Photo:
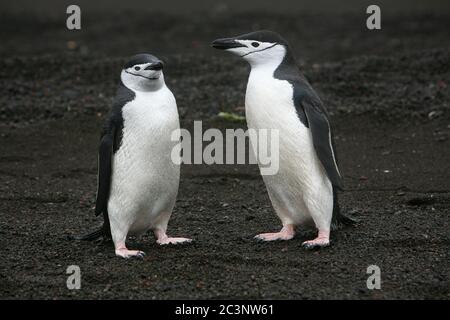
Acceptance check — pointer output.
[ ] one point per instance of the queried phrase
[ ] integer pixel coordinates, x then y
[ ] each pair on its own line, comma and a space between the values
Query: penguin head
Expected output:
143, 72
257, 47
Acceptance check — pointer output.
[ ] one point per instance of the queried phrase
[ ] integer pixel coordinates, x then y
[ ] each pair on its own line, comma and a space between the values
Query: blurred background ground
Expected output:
388, 95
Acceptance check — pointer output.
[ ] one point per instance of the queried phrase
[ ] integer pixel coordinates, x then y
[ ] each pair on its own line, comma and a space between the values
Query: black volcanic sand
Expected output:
390, 112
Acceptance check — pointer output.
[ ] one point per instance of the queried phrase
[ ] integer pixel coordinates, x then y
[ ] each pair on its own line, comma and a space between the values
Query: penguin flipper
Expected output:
105, 153
322, 139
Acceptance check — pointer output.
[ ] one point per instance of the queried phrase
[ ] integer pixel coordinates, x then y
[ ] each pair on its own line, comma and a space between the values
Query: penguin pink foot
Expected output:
322, 240
287, 233
122, 251
163, 239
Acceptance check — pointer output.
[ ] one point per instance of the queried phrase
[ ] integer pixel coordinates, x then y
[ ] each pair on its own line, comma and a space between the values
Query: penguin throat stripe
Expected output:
139, 75
259, 50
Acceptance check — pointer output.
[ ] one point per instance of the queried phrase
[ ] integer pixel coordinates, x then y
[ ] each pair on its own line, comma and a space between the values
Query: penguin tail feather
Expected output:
339, 220
103, 232
99, 233
90, 236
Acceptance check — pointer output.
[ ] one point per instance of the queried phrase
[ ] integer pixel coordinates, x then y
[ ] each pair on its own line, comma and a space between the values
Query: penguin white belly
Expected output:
144, 178
300, 190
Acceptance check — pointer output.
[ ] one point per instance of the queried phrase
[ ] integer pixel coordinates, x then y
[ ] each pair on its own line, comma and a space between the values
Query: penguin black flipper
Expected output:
105, 152
312, 114
322, 140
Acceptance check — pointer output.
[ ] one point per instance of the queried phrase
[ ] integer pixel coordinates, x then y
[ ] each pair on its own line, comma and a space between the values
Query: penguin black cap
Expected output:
261, 36
144, 58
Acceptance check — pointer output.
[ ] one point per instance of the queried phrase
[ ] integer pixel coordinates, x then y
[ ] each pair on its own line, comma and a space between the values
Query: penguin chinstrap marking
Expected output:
278, 96
137, 178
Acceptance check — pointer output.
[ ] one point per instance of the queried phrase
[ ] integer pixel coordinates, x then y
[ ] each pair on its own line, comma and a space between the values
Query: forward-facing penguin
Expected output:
279, 97
137, 178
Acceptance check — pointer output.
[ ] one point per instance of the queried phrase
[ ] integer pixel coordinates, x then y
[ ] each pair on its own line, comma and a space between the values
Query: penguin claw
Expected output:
127, 254
140, 255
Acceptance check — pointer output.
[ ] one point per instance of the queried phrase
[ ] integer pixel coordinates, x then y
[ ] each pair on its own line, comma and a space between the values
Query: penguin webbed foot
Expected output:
163, 239
313, 244
322, 240
287, 233
127, 254
172, 240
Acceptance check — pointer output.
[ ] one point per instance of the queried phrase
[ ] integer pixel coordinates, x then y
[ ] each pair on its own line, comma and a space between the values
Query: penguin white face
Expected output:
257, 47
143, 73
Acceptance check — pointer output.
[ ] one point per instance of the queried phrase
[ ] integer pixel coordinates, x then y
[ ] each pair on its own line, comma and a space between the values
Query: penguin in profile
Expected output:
278, 96
137, 177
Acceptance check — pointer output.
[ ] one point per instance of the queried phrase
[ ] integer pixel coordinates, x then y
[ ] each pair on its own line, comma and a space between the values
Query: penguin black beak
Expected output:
155, 66
226, 43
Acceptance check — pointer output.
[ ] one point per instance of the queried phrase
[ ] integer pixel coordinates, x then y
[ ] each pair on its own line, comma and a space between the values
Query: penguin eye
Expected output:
255, 44
137, 68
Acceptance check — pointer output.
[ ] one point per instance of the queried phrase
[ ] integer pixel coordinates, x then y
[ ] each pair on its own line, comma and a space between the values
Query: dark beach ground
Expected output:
388, 94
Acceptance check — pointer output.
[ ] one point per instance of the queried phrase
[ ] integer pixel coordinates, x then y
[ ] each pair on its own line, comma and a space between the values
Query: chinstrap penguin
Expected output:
137, 179
278, 96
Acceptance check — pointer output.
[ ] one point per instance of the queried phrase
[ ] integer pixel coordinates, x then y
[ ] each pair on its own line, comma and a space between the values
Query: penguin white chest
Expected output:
144, 178
269, 104
268, 100
148, 123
